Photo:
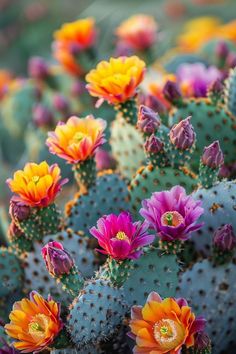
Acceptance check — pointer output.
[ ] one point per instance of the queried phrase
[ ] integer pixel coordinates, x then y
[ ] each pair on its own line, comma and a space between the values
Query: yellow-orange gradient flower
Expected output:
163, 326
35, 323
72, 38
116, 80
138, 32
37, 185
78, 139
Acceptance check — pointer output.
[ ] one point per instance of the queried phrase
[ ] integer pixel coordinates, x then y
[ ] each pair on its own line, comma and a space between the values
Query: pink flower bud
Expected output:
18, 210
182, 135
231, 60
172, 92
224, 238
153, 144
222, 50
213, 156
38, 68
148, 120
60, 103
104, 160
42, 116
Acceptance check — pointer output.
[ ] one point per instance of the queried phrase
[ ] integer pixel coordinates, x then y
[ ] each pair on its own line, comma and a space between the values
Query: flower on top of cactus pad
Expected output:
36, 185
120, 237
58, 261
35, 322
164, 325
70, 40
172, 214
139, 32
116, 80
77, 139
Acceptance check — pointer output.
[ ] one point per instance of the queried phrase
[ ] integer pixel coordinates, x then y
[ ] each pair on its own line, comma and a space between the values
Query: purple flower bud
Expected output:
222, 50
182, 135
18, 210
172, 92
213, 156
58, 261
224, 238
122, 49
60, 103
104, 160
14, 230
42, 116
153, 144
202, 341
78, 87
155, 104
148, 120
38, 68
231, 60
216, 87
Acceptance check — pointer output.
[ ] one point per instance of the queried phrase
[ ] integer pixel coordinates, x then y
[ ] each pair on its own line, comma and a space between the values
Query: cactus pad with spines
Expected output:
11, 274
230, 92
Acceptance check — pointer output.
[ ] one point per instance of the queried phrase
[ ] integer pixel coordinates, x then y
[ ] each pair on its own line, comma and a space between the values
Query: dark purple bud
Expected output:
155, 104
182, 135
14, 230
153, 144
231, 60
61, 103
213, 156
148, 120
38, 68
58, 261
216, 87
42, 116
172, 92
18, 210
222, 50
224, 238
6, 348
202, 341
104, 160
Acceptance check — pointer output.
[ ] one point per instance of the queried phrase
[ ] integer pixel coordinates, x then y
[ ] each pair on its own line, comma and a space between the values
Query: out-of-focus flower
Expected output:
58, 261
148, 120
61, 103
138, 32
5, 81
104, 160
228, 31
34, 323
121, 238
222, 50
172, 214
164, 326
70, 40
153, 144
37, 185
42, 116
194, 79
231, 60
77, 139
182, 134
212, 155
116, 80
224, 238
38, 68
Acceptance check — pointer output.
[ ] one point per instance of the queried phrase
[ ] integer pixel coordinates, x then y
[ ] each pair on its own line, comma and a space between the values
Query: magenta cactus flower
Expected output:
120, 238
182, 135
213, 156
58, 261
172, 214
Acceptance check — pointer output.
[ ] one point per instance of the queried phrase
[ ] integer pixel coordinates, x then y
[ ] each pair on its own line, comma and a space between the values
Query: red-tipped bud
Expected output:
148, 120
182, 135
153, 144
222, 50
42, 116
58, 261
18, 210
38, 68
213, 156
172, 92
224, 238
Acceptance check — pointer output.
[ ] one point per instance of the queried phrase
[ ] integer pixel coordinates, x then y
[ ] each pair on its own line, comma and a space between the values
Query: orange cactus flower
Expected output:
139, 32
163, 326
37, 185
72, 38
116, 80
35, 322
228, 31
5, 81
77, 139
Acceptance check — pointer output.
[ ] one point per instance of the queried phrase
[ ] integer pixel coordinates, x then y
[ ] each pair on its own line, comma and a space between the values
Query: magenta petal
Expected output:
120, 248
198, 325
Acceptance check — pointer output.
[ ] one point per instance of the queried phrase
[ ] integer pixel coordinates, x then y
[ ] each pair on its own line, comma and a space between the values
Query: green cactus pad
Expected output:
211, 291
95, 313
151, 179
230, 92
153, 271
210, 123
127, 147
109, 195
11, 274
91, 349
219, 203
128, 110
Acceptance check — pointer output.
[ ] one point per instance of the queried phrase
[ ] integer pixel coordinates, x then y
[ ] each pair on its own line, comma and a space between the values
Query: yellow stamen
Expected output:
35, 179
172, 218
121, 235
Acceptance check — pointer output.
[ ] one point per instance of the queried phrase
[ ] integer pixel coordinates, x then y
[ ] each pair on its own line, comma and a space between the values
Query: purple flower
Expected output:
148, 120
120, 238
213, 156
194, 79
172, 214
153, 144
182, 135
224, 238
58, 261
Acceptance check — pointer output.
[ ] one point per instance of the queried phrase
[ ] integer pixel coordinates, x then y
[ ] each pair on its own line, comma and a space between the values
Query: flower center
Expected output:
38, 326
35, 179
78, 137
172, 218
168, 334
121, 236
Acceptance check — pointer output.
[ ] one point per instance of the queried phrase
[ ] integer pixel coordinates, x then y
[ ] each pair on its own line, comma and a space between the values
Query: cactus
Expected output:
230, 92
11, 274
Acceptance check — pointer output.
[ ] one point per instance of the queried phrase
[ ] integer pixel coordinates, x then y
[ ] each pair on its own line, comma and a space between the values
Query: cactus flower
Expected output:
58, 261
116, 80
148, 120
139, 32
163, 326
35, 322
224, 238
172, 214
182, 135
37, 185
120, 238
77, 139
213, 156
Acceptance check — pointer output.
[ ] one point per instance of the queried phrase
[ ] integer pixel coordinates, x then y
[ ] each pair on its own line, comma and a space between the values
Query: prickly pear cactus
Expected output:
11, 274
211, 292
230, 92
109, 195
219, 203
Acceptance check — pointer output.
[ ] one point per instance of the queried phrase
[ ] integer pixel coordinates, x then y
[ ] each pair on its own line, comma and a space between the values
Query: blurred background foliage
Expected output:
27, 26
